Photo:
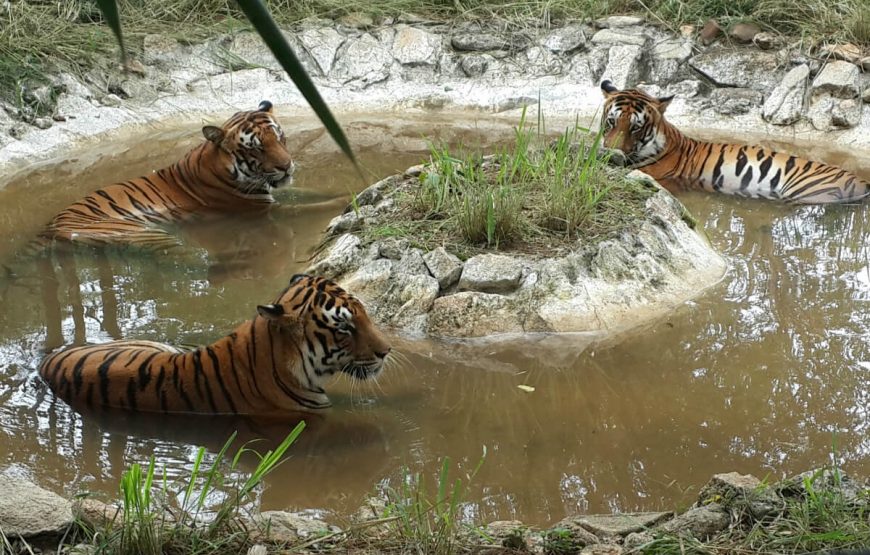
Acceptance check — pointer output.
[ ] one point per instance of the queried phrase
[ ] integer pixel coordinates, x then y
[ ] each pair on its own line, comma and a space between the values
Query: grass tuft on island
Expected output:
530, 197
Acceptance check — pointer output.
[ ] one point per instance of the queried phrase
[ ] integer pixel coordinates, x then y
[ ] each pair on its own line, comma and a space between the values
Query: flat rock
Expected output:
768, 41
611, 37
491, 273
620, 524
483, 41
839, 79
568, 536
342, 257
785, 103
618, 21
731, 102
847, 52
510, 534
742, 491
739, 67
443, 266
414, 46
473, 314
603, 549
288, 527
27, 510
699, 522
566, 39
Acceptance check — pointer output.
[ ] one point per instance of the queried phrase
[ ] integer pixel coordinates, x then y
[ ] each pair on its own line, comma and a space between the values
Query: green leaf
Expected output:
110, 12
259, 17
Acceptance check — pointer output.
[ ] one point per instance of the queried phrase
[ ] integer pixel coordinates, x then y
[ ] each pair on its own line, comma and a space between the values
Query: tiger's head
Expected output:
331, 330
253, 149
633, 123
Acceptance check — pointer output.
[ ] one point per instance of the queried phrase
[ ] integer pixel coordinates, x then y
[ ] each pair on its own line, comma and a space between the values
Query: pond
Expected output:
766, 373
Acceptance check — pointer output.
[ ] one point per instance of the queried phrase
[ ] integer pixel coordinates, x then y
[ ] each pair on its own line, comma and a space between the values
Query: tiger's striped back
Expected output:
276, 362
634, 124
235, 169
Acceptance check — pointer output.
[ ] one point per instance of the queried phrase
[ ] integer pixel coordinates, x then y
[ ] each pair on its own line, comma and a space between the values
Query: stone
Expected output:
567, 536
846, 113
587, 67
710, 32
18, 130
473, 314
739, 491
27, 510
471, 42
510, 534
443, 266
635, 541
258, 549
840, 79
474, 65
111, 100
618, 21
865, 63
343, 256
413, 46
411, 263
865, 96
83, 549
602, 549
732, 102
674, 49
611, 37
820, 112
73, 86
623, 66
357, 20
784, 105
744, 33
349, 221
96, 513
620, 524
491, 273
847, 52
768, 41
567, 39
289, 528
160, 50
322, 44
687, 31
828, 479
699, 522
43, 123
744, 67
411, 298
362, 61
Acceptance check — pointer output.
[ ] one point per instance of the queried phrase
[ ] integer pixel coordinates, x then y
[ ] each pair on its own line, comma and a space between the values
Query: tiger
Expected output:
270, 365
633, 123
235, 168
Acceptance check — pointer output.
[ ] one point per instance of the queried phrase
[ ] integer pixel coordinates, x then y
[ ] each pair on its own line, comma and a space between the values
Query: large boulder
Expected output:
27, 510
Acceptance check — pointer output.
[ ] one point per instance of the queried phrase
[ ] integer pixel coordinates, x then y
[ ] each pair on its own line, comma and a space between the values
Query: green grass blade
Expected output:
110, 12
258, 15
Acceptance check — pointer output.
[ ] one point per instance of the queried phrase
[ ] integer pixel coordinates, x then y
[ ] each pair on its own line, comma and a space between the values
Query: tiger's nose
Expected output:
383, 354
287, 167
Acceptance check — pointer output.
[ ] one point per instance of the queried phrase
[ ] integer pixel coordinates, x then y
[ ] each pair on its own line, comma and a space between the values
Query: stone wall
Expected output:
767, 86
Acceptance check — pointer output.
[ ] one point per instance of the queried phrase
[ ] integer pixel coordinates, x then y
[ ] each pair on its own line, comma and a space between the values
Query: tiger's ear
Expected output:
270, 311
265, 106
213, 134
607, 88
664, 102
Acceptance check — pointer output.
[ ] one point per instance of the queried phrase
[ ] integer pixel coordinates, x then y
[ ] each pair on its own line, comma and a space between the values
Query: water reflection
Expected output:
763, 374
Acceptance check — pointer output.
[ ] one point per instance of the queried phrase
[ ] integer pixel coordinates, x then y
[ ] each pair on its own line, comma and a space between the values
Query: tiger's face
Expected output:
253, 150
333, 330
632, 123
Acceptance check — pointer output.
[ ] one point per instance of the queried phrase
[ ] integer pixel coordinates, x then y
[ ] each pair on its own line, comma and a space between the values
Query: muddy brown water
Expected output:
768, 372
